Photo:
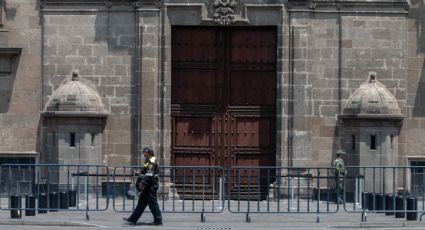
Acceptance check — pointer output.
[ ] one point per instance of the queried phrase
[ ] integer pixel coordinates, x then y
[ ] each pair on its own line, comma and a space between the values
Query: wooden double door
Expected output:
223, 98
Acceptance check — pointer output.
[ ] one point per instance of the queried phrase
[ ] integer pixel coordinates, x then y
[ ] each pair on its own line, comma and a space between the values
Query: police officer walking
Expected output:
147, 184
339, 176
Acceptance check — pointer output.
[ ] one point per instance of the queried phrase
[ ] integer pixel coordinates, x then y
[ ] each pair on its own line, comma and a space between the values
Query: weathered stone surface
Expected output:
20, 103
123, 149
83, 40
103, 46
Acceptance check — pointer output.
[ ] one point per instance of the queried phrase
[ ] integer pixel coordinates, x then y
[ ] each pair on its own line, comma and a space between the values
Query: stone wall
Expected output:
20, 99
377, 44
88, 148
334, 47
99, 41
315, 86
325, 52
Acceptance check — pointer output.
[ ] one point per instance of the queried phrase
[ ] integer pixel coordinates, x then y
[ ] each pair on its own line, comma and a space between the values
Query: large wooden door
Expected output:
223, 97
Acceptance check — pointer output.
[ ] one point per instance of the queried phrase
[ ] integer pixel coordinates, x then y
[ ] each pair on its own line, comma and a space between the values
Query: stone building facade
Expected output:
324, 51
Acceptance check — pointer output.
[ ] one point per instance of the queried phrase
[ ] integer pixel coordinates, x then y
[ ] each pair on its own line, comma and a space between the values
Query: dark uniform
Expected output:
147, 184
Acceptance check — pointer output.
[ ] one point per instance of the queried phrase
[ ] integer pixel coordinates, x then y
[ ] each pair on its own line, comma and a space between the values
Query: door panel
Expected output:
193, 132
252, 88
190, 176
253, 45
194, 45
253, 132
224, 97
194, 86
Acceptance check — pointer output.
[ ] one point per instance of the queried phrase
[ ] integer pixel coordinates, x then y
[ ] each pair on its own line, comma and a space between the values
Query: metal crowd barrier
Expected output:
393, 191
396, 191
281, 190
53, 187
182, 189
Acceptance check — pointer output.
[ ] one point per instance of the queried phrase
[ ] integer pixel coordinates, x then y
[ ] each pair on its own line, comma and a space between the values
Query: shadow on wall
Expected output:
6, 85
337, 143
115, 39
417, 14
118, 30
10, 11
101, 27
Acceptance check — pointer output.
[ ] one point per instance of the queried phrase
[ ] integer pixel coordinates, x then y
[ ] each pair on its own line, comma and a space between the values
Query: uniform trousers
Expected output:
147, 198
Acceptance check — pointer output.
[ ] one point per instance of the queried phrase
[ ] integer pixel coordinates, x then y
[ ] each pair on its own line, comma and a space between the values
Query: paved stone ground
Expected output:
226, 220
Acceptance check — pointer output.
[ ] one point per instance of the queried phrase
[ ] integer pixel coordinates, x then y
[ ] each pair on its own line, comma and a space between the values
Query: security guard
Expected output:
147, 184
339, 175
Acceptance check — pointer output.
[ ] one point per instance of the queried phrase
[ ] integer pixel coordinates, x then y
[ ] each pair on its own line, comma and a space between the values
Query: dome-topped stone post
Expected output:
74, 119
371, 122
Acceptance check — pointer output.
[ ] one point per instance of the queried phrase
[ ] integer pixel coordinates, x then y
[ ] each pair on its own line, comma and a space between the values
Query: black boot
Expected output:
128, 221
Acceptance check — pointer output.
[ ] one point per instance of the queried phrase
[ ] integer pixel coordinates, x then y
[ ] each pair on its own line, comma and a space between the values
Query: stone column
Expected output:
151, 85
300, 105
154, 97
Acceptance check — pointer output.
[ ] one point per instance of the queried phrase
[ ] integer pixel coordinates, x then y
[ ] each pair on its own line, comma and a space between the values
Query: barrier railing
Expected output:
53, 187
281, 190
396, 191
183, 189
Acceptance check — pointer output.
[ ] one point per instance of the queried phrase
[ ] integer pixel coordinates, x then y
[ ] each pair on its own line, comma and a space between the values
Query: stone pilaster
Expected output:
154, 115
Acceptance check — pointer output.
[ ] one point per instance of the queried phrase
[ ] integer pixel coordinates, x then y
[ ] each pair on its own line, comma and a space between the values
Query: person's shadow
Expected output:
140, 224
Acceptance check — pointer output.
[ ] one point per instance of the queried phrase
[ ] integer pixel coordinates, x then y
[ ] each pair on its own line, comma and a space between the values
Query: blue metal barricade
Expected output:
49, 183
183, 189
281, 190
388, 189
398, 191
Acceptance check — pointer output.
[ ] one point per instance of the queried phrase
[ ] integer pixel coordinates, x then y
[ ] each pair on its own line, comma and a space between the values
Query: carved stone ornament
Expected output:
312, 4
137, 4
224, 11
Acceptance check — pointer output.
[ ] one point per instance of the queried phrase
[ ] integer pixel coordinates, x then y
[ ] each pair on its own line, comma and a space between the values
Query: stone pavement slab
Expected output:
225, 220
218, 221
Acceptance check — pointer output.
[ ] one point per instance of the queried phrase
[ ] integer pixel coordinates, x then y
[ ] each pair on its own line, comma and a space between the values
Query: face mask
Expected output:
143, 158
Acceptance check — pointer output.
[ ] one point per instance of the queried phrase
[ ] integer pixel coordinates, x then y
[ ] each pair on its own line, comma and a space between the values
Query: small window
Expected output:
392, 141
93, 136
372, 142
54, 139
353, 142
72, 140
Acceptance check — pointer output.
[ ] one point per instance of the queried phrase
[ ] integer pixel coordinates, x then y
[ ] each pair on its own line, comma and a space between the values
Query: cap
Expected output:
340, 152
148, 149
